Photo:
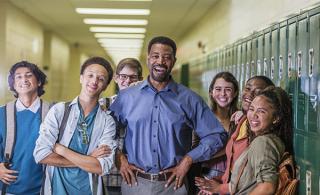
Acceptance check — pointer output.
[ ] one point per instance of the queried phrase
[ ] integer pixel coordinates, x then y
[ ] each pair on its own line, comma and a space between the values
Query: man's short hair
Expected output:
101, 61
165, 41
40, 76
132, 63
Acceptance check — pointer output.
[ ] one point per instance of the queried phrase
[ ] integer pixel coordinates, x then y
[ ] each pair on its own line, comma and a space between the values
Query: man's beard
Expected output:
158, 75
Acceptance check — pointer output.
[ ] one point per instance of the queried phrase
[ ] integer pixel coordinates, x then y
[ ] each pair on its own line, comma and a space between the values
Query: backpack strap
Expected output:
45, 106
64, 121
11, 129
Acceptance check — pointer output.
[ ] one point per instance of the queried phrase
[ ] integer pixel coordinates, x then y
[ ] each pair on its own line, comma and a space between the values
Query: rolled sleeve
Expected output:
108, 138
265, 157
210, 131
48, 134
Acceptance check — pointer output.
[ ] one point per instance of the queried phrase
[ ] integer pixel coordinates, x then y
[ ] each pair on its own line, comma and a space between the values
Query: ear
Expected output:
81, 78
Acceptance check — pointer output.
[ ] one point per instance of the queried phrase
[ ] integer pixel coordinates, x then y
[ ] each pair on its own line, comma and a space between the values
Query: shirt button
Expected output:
155, 165
154, 150
154, 121
156, 106
154, 136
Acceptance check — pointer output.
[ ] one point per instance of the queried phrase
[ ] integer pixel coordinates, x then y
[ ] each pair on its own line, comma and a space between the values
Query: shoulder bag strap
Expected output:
64, 121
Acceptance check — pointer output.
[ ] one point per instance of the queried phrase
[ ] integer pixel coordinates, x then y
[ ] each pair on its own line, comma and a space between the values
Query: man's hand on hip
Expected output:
127, 171
179, 172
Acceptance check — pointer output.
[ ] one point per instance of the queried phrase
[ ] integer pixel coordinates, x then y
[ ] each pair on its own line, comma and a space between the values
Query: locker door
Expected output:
260, 54
243, 64
282, 59
248, 59
184, 79
274, 60
239, 63
266, 53
254, 55
234, 60
301, 128
313, 145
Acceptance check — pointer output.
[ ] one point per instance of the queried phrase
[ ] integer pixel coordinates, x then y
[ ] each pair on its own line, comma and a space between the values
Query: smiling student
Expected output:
67, 147
21, 119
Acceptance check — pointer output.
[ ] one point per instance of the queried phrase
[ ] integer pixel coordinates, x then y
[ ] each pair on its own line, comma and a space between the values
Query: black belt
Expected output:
154, 177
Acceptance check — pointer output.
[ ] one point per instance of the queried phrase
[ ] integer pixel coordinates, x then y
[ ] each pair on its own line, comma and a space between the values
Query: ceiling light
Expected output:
124, 36
120, 41
114, 21
113, 11
117, 29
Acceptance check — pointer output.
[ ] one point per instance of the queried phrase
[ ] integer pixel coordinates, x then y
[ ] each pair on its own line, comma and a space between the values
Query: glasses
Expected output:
124, 77
83, 127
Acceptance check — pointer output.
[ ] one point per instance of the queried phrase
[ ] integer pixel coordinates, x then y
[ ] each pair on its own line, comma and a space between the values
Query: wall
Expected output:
229, 20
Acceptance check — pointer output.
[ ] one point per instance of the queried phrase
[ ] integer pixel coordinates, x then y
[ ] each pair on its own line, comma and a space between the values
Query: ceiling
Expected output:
173, 18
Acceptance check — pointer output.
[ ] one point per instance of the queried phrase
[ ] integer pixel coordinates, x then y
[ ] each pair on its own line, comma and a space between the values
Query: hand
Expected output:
207, 185
179, 172
59, 149
6, 175
127, 170
101, 151
236, 116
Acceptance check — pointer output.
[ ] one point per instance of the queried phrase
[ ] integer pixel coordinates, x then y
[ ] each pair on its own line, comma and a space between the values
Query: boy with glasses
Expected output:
128, 71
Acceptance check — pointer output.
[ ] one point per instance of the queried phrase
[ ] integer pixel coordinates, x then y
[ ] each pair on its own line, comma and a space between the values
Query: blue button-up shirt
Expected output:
159, 125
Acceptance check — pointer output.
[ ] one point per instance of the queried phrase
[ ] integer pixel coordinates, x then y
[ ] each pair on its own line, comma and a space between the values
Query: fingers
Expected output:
170, 180
178, 183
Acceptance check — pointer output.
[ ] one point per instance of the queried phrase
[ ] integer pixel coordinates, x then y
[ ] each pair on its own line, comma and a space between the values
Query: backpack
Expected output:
10, 126
10, 110
288, 182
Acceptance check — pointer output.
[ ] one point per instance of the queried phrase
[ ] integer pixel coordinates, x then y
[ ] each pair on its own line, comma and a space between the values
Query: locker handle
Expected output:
280, 66
258, 67
289, 65
299, 60
311, 61
272, 67
265, 64
313, 100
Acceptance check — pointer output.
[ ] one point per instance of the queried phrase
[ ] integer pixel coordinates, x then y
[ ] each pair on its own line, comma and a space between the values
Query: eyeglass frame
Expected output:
124, 77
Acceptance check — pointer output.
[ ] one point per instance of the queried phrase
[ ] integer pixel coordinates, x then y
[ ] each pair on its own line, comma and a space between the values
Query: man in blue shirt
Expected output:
159, 116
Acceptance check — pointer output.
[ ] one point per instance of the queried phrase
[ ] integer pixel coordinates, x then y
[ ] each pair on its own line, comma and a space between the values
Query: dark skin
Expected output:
159, 55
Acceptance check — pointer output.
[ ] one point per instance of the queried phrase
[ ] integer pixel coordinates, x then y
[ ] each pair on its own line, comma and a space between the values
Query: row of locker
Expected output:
288, 53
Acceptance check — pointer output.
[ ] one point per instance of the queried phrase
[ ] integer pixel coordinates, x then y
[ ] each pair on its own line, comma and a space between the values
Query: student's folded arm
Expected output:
48, 134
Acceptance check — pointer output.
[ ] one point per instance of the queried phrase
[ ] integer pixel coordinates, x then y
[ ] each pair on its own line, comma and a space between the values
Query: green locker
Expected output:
239, 63
234, 60
254, 55
267, 52
243, 64
313, 136
274, 60
260, 53
282, 57
248, 59
184, 79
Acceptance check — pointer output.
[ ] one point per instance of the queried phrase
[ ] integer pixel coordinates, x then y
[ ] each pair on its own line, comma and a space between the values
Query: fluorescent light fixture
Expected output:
115, 21
121, 41
121, 46
109, 11
117, 29
124, 36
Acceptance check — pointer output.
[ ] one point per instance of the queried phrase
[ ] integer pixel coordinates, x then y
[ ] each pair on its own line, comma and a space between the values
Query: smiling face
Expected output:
261, 115
25, 82
93, 80
250, 90
160, 62
223, 93
125, 77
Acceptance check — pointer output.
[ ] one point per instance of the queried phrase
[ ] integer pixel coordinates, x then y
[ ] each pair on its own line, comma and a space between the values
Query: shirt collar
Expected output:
171, 86
33, 108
